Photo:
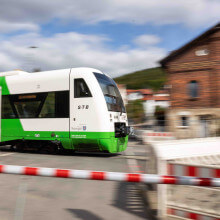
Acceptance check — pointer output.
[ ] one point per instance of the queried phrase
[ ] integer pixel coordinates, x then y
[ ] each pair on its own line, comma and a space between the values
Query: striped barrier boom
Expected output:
187, 170
159, 134
189, 214
109, 176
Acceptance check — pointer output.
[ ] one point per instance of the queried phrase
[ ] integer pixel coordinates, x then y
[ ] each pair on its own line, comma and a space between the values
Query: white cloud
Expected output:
6, 26
146, 40
6, 62
27, 14
74, 50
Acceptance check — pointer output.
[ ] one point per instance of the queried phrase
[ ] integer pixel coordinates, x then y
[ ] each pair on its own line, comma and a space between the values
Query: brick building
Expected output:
194, 81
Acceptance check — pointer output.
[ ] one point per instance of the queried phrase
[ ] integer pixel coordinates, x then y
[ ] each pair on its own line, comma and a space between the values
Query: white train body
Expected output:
78, 107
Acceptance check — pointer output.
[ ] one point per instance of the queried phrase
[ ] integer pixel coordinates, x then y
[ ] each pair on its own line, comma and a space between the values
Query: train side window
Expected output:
48, 109
81, 90
7, 110
62, 104
27, 105
56, 105
38, 105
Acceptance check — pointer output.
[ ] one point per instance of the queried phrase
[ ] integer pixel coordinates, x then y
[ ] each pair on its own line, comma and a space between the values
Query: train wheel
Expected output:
19, 147
49, 149
13, 147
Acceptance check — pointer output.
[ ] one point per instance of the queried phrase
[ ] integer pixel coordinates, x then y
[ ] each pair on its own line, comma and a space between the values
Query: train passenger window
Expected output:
48, 109
56, 105
27, 109
27, 105
38, 105
62, 104
81, 90
7, 110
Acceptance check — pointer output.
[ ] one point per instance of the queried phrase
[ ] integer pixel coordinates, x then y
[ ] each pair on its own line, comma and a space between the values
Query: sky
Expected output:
114, 36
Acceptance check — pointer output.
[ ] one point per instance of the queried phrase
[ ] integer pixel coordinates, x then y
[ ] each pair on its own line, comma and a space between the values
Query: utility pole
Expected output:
30, 59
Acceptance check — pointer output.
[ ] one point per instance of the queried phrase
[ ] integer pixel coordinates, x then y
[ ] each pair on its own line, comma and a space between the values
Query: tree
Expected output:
135, 111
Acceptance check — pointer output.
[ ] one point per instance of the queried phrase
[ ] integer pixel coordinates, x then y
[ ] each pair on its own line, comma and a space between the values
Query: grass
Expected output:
153, 78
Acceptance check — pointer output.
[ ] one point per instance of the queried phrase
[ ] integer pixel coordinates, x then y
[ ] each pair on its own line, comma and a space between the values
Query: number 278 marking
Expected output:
83, 106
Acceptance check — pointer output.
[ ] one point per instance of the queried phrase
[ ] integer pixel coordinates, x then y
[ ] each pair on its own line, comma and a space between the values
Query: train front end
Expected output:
115, 116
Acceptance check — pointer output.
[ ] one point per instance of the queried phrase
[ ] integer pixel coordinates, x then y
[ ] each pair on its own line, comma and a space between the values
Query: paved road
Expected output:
36, 198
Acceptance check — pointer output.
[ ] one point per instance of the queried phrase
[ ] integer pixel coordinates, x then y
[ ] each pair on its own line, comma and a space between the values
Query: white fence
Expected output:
190, 157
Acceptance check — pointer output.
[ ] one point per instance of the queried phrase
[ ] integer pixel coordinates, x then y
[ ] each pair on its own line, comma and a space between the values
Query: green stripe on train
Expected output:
12, 130
3, 84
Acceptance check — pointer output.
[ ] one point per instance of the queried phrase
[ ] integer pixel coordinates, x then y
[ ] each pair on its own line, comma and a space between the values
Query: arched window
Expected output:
193, 89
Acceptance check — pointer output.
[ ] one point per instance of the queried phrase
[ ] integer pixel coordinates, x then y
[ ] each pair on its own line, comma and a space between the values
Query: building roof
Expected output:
164, 91
121, 86
175, 53
147, 98
146, 91
162, 98
129, 91
142, 91
148, 94
156, 98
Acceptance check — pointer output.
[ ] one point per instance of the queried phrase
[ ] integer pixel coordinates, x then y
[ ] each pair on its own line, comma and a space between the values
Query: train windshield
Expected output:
111, 93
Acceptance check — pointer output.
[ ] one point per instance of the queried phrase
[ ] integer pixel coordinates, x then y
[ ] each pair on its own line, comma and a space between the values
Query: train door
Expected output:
80, 107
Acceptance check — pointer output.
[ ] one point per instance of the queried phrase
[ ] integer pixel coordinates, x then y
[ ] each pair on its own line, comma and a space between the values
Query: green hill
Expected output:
152, 78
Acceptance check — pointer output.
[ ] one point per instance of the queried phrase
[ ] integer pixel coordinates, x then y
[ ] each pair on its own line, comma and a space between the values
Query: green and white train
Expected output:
76, 109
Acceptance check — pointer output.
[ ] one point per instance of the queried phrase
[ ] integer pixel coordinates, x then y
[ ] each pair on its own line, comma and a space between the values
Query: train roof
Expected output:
56, 80
44, 73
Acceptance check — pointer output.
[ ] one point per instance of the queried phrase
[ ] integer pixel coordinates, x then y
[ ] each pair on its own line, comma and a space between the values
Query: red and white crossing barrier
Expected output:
189, 170
110, 176
159, 134
151, 136
189, 215
191, 158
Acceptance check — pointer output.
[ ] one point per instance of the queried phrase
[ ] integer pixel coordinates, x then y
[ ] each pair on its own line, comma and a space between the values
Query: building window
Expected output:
193, 89
184, 121
81, 89
203, 52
